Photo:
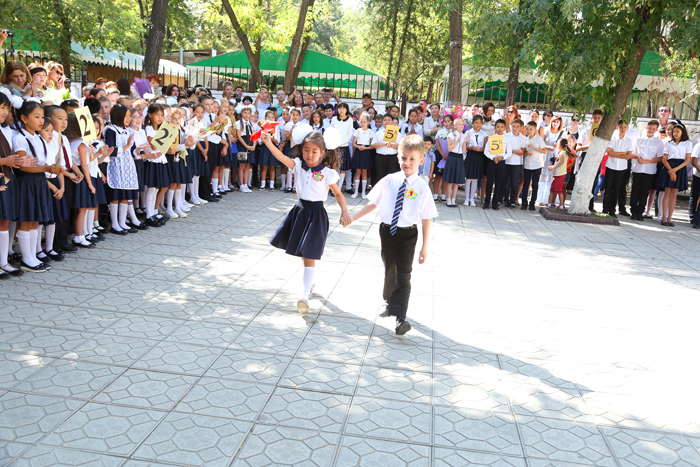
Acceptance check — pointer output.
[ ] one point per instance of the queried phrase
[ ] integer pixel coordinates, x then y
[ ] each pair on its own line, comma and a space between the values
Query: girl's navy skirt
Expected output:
231, 160
35, 200
214, 156
362, 159
664, 180
202, 165
83, 196
266, 157
60, 208
9, 199
100, 192
157, 175
140, 165
474, 165
454, 169
178, 171
304, 231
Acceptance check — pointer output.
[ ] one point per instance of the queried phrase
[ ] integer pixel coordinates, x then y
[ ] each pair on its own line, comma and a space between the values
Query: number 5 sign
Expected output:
164, 138
496, 144
87, 128
391, 134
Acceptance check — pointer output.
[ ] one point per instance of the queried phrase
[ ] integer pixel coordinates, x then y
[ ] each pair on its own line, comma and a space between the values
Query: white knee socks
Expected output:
50, 234
27, 245
214, 185
227, 174
348, 179
283, 179
37, 239
308, 281
114, 215
357, 185
89, 219
122, 216
4, 247
132, 214
364, 187
169, 200
151, 195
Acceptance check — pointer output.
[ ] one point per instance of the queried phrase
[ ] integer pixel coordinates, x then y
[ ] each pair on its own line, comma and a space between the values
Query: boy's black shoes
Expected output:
402, 327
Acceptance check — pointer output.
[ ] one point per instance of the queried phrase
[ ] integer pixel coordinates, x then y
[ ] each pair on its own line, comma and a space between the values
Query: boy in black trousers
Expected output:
404, 200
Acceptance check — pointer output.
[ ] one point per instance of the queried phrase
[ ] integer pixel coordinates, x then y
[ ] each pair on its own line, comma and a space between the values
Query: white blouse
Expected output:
150, 133
678, 151
313, 186
345, 128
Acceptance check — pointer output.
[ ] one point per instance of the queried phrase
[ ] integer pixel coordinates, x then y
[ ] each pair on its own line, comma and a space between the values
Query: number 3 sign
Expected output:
164, 138
391, 133
87, 128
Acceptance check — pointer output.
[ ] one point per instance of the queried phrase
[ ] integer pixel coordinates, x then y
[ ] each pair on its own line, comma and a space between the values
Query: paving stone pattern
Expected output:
535, 343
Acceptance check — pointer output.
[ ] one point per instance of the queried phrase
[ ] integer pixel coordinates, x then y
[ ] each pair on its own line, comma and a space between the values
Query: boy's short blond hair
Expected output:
412, 143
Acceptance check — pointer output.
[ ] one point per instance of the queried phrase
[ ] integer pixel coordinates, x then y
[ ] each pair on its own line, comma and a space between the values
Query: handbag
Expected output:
242, 156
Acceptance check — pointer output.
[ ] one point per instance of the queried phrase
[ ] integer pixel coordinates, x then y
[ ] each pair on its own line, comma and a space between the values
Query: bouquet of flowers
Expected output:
198, 130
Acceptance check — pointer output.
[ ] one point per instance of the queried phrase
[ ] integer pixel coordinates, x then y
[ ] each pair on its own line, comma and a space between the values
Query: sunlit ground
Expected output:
534, 343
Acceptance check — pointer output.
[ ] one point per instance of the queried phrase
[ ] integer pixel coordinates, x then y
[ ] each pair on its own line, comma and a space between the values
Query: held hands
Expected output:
346, 219
59, 193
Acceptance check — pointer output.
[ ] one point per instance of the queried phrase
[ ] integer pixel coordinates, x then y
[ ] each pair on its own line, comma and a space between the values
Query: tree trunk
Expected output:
295, 46
582, 195
300, 59
456, 39
407, 20
253, 57
512, 87
65, 47
154, 39
391, 51
142, 37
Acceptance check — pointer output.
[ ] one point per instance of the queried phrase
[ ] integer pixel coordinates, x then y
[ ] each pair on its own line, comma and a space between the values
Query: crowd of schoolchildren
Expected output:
56, 184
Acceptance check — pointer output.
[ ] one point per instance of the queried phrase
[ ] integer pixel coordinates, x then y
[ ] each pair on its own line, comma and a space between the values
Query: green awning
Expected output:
273, 60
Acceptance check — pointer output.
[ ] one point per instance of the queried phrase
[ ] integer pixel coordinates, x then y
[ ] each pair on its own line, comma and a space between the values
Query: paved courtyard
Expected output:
535, 344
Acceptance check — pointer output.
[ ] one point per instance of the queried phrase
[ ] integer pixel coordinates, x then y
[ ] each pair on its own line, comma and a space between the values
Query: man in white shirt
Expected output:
514, 165
649, 150
619, 152
385, 161
496, 166
404, 200
533, 162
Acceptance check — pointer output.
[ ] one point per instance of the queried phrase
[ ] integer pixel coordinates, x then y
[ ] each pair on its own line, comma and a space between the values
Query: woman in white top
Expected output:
343, 123
674, 172
551, 137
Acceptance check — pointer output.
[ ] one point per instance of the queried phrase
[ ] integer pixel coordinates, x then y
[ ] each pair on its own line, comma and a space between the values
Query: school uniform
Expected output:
615, 169
398, 232
532, 170
231, 159
60, 147
474, 162
415, 129
9, 198
157, 170
345, 128
454, 165
35, 199
304, 231
424, 170
215, 145
695, 192
676, 156
266, 157
96, 175
546, 176
643, 175
386, 160
140, 164
84, 198
514, 166
363, 159
496, 172
178, 171
54, 150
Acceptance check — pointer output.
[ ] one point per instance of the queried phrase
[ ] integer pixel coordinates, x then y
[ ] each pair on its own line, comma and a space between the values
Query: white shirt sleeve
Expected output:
376, 195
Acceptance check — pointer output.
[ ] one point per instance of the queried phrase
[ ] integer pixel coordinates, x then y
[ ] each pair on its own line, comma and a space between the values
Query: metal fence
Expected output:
684, 106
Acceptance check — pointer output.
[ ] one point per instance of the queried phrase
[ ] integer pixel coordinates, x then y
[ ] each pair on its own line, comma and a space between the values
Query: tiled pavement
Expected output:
535, 344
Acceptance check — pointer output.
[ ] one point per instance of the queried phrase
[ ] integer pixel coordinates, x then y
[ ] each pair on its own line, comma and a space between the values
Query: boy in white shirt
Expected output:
650, 151
533, 162
619, 151
495, 165
404, 200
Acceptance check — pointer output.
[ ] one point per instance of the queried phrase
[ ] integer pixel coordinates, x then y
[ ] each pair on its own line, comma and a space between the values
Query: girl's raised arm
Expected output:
267, 141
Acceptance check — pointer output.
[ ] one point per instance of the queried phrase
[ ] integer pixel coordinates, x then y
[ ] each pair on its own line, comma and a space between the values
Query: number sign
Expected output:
391, 133
87, 127
164, 137
496, 145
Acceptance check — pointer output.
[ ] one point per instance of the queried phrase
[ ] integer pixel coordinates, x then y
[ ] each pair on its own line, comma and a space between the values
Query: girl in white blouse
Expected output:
674, 172
343, 123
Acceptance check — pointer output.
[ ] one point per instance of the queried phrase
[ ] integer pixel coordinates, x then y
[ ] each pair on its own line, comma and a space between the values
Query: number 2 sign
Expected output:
164, 138
87, 127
